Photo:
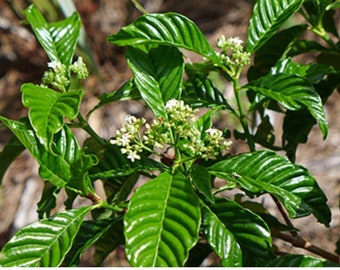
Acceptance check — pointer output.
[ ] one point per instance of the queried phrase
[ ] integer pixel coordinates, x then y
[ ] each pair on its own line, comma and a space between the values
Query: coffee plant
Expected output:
179, 216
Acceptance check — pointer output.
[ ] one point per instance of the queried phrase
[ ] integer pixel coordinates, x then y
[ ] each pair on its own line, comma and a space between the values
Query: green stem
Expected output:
85, 126
320, 31
242, 116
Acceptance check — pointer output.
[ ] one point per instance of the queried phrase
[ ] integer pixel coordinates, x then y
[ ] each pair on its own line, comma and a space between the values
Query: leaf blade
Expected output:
162, 221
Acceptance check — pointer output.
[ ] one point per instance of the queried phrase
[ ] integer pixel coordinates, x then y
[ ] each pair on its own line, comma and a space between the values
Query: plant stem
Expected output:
299, 242
85, 126
242, 116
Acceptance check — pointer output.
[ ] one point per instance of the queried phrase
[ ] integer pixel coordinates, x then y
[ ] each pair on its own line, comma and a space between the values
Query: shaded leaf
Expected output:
201, 180
266, 172
268, 16
44, 243
162, 222
299, 261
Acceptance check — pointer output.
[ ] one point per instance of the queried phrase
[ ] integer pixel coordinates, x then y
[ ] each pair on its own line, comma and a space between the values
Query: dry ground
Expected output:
22, 60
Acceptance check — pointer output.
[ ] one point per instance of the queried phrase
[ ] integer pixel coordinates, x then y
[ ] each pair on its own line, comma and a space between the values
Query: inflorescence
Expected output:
181, 126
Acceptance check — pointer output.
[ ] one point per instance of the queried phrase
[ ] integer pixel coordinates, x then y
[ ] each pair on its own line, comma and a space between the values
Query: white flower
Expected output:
133, 155
125, 140
55, 65
236, 41
172, 104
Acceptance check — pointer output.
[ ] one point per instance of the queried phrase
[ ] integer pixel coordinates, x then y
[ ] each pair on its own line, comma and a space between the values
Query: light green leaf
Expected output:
162, 222
294, 93
58, 39
222, 241
268, 16
44, 243
47, 109
166, 29
266, 172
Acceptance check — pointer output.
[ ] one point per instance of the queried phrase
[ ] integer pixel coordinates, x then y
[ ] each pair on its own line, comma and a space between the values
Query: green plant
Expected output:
178, 218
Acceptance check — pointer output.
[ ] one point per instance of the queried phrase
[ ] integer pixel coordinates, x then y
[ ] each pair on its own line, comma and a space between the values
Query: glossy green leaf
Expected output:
248, 229
58, 39
268, 16
48, 200
109, 241
334, 5
162, 222
294, 260
8, 154
146, 83
24, 132
266, 172
47, 109
222, 241
44, 243
294, 93
166, 29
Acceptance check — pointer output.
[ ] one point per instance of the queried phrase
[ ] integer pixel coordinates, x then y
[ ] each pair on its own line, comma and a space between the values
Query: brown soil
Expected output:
23, 60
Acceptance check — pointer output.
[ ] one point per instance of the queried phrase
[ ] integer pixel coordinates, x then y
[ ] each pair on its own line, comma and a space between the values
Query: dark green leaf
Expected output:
249, 230
162, 222
198, 254
58, 39
268, 16
9, 153
266, 172
166, 29
273, 50
202, 181
44, 243
109, 241
48, 200
294, 93
89, 233
47, 109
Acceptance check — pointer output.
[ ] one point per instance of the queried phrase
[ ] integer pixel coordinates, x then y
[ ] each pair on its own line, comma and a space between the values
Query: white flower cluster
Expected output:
232, 52
59, 75
181, 125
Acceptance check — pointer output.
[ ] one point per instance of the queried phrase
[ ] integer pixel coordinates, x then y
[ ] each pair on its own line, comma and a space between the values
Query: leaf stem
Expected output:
299, 242
85, 126
139, 7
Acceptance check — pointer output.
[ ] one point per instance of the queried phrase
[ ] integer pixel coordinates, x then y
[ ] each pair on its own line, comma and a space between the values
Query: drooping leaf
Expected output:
48, 200
266, 172
201, 180
58, 39
44, 243
167, 29
222, 241
47, 109
268, 16
146, 83
294, 93
89, 232
248, 229
295, 260
109, 241
162, 222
